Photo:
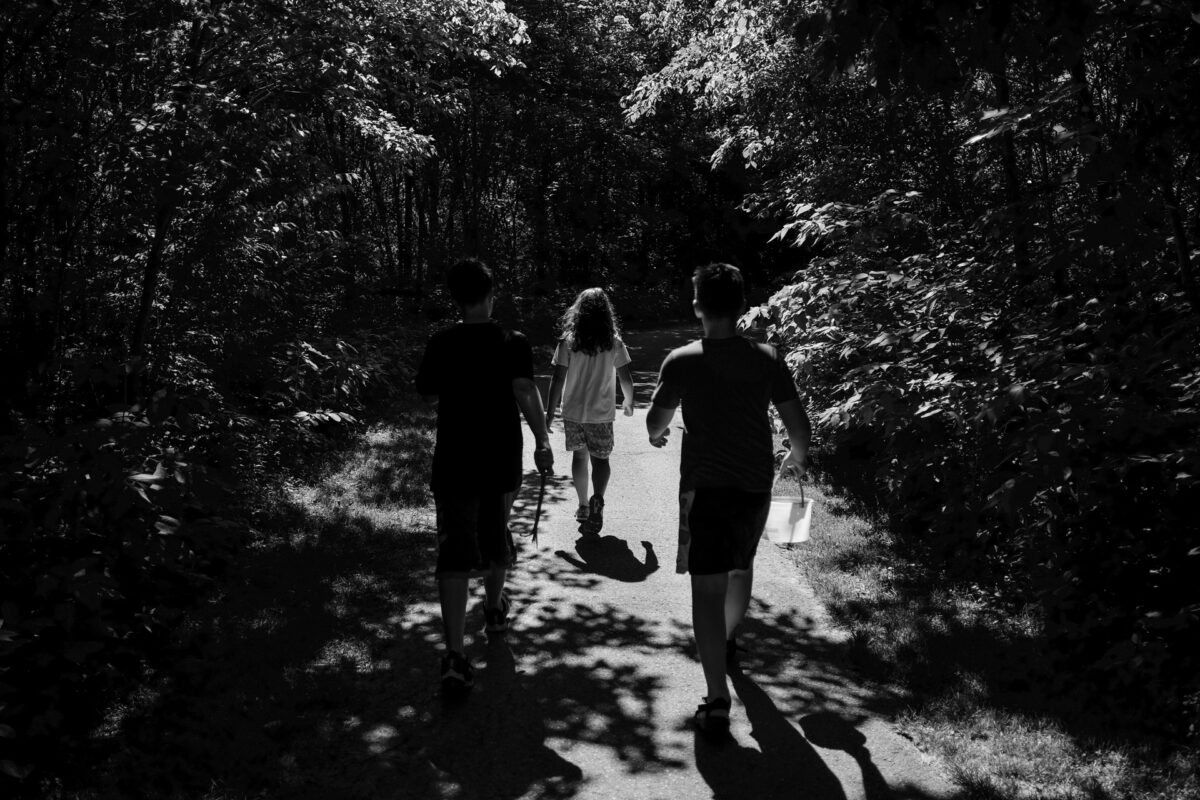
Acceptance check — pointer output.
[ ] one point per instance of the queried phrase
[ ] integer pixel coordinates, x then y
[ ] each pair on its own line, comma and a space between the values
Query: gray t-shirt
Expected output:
725, 387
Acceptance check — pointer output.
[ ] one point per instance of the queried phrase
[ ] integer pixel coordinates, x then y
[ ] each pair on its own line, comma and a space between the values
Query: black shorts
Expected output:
724, 526
472, 533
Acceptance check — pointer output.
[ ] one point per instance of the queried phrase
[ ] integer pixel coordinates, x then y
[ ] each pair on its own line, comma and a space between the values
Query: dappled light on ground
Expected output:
315, 674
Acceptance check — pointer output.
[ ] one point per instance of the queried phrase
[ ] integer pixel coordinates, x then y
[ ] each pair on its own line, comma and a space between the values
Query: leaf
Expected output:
158, 476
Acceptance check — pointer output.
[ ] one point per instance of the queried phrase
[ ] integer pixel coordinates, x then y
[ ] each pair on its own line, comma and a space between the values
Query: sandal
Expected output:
712, 716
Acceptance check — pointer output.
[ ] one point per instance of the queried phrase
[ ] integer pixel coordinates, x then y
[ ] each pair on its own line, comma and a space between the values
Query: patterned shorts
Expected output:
595, 437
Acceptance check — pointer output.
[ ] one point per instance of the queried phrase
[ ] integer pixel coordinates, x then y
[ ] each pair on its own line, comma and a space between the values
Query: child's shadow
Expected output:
828, 730
611, 557
492, 743
785, 765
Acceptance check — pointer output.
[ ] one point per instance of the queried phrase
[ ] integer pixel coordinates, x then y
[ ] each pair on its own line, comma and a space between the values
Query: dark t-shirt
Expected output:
725, 386
470, 368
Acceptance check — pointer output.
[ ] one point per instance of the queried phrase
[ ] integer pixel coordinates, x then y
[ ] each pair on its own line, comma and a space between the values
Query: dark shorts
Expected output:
472, 533
722, 528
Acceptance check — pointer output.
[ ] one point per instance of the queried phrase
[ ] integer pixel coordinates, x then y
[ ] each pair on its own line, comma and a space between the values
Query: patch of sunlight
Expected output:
418, 615
379, 738
267, 619
342, 653
381, 436
358, 582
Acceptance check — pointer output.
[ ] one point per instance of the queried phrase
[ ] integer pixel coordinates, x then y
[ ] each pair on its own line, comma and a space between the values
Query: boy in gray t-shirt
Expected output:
725, 384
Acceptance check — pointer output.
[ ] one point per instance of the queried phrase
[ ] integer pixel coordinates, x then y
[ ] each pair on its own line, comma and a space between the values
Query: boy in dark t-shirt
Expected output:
481, 378
725, 384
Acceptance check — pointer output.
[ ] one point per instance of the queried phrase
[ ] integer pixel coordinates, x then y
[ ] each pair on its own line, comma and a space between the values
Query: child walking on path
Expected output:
588, 360
479, 375
725, 383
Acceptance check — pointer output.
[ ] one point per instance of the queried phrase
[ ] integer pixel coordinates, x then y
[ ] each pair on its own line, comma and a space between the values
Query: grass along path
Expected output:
296, 679
976, 679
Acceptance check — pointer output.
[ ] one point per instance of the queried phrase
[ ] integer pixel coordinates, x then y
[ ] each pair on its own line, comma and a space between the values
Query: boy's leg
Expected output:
708, 626
493, 584
737, 599
453, 595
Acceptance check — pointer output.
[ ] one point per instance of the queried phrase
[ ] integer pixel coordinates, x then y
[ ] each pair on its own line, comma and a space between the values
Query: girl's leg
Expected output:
601, 472
579, 474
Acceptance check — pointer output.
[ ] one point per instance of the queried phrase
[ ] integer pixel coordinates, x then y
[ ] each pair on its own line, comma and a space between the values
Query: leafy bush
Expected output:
111, 528
1051, 446
101, 551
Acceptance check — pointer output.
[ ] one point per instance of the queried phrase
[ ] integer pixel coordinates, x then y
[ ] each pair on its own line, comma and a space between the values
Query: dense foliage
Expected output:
997, 323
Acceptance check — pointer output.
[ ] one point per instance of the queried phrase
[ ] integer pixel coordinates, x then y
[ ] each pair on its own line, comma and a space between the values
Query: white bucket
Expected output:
789, 519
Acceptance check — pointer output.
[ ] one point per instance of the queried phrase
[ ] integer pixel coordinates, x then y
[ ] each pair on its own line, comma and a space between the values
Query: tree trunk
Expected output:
1012, 183
165, 212
1183, 253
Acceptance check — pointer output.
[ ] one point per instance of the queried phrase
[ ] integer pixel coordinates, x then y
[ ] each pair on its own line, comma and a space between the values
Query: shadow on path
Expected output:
784, 765
314, 674
611, 557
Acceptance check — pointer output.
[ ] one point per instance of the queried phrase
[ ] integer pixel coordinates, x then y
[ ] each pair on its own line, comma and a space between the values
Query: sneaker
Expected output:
595, 514
581, 513
457, 673
712, 717
496, 619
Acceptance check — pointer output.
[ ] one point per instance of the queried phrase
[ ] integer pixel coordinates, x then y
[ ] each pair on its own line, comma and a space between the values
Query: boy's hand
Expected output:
627, 406
795, 465
549, 420
543, 458
662, 440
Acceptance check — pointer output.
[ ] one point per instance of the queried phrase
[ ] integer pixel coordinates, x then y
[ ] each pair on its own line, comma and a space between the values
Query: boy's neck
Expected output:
473, 315
719, 327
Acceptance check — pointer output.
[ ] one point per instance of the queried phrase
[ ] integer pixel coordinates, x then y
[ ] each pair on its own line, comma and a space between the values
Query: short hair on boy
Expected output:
469, 281
720, 290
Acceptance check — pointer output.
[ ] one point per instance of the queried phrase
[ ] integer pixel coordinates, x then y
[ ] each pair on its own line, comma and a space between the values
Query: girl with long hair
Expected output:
588, 362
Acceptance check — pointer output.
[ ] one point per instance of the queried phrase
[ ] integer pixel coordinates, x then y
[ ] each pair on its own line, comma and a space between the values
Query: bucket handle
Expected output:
779, 475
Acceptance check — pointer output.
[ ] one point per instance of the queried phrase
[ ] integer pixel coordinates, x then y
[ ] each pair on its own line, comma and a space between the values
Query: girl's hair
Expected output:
590, 322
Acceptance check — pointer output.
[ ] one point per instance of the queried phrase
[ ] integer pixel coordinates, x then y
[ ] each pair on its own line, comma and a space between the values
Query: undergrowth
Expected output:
978, 676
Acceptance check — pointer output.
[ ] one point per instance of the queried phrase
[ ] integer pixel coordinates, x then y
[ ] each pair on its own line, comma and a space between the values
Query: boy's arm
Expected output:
529, 399
799, 430
556, 390
626, 379
658, 424
663, 403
